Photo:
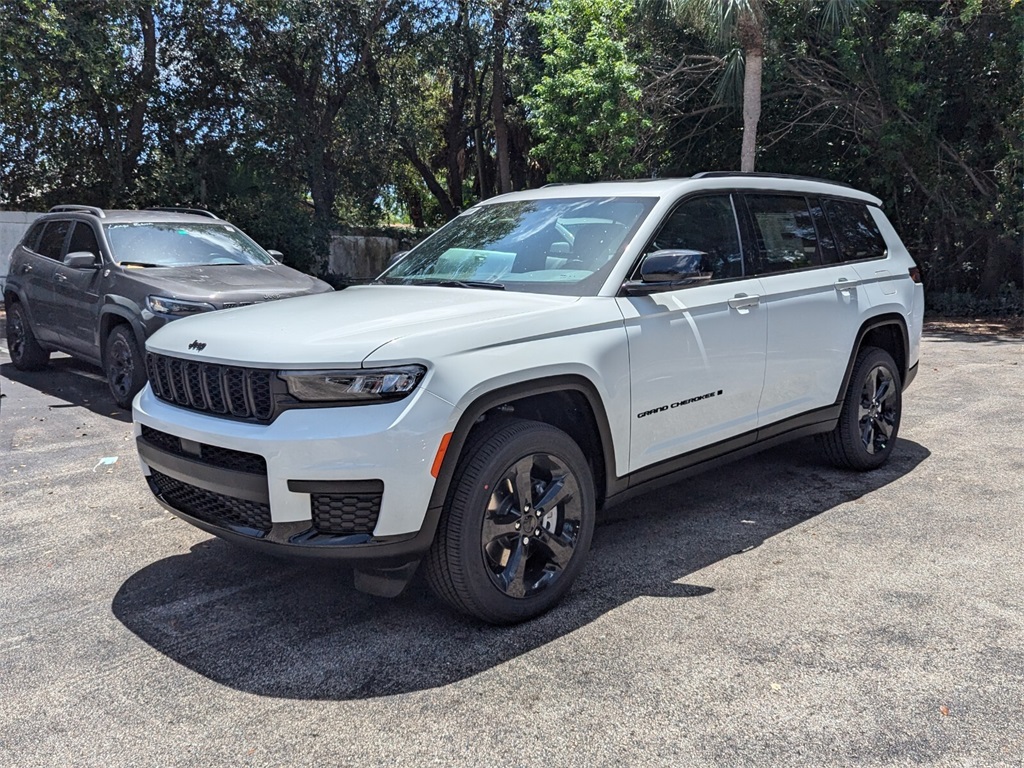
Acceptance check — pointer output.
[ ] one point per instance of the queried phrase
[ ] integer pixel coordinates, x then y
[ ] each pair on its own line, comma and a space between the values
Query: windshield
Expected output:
176, 244
565, 246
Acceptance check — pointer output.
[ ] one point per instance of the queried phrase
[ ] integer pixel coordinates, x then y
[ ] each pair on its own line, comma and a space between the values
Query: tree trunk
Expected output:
751, 38
498, 97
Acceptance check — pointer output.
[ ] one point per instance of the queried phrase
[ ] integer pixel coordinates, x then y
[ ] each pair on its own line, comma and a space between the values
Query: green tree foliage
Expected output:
587, 109
77, 82
293, 117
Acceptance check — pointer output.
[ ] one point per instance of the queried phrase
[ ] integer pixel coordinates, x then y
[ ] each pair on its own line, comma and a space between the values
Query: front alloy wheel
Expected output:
517, 524
125, 371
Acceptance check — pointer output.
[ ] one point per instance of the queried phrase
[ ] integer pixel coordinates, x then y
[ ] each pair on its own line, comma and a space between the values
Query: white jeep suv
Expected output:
542, 356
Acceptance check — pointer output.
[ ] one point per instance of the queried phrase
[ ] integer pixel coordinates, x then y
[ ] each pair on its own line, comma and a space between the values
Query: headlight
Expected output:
162, 305
364, 384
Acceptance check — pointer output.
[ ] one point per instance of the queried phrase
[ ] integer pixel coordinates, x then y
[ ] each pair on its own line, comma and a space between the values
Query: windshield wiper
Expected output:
139, 264
465, 284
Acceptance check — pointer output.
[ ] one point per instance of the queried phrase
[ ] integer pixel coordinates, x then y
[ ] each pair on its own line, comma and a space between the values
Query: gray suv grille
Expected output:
222, 390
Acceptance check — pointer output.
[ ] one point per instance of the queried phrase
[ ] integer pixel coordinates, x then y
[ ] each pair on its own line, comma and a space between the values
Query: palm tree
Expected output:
740, 27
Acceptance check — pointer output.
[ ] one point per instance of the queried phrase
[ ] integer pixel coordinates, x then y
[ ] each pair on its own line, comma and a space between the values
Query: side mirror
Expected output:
81, 260
395, 258
276, 254
669, 269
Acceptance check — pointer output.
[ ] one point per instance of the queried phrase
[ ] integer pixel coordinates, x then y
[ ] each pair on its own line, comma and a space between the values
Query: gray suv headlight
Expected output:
362, 384
162, 305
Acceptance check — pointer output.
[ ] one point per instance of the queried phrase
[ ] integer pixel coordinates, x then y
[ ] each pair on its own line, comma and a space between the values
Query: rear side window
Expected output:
856, 233
784, 232
706, 225
83, 239
32, 236
52, 241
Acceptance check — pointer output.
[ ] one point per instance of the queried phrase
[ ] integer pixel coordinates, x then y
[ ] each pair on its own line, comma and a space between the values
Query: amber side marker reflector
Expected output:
439, 458
915, 274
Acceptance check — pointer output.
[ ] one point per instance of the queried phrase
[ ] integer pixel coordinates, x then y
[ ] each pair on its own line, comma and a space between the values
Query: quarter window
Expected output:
856, 233
52, 241
784, 232
706, 225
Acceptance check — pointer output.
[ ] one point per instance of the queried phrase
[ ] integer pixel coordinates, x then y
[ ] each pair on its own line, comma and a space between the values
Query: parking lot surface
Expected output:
773, 612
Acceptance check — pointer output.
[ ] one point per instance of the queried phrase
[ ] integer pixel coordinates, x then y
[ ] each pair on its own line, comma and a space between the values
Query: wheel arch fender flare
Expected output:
890, 321
509, 394
116, 311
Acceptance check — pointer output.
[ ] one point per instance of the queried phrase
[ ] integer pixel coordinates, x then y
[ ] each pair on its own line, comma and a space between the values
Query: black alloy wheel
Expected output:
531, 525
26, 354
869, 422
125, 371
517, 525
878, 413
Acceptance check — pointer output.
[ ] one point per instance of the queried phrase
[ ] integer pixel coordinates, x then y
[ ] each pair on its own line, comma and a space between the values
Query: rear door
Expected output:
34, 269
77, 293
813, 302
696, 353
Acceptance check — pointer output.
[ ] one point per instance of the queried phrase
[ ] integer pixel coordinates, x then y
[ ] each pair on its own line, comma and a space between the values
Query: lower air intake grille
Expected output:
345, 513
214, 508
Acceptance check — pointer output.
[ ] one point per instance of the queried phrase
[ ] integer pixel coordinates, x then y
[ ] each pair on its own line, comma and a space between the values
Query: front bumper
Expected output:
336, 483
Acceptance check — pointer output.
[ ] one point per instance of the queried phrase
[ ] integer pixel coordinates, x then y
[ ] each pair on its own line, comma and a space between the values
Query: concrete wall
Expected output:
357, 256
12, 226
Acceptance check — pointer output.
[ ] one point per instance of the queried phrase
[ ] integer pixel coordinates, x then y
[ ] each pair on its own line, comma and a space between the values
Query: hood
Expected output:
345, 327
227, 283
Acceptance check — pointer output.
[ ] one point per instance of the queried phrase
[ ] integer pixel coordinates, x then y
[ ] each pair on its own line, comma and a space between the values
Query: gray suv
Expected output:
95, 284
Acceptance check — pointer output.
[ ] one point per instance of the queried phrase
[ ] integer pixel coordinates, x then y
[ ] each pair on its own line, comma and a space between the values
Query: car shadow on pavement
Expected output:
295, 630
73, 383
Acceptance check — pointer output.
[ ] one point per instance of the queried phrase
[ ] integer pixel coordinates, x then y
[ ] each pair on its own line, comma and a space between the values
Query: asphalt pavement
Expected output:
774, 612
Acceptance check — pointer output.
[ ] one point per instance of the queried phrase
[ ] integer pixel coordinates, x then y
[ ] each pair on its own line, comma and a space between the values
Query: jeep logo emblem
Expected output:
197, 345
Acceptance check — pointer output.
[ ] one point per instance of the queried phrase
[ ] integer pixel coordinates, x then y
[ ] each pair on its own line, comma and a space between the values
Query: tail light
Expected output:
915, 274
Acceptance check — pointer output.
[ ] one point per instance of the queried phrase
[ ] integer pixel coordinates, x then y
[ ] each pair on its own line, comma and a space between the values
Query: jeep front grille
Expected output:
215, 508
222, 390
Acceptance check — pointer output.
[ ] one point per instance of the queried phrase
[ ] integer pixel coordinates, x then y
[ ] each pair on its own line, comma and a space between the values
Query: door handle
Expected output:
844, 284
61, 276
26, 269
743, 301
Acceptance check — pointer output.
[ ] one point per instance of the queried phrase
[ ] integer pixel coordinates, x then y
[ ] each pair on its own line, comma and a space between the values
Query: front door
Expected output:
77, 294
697, 353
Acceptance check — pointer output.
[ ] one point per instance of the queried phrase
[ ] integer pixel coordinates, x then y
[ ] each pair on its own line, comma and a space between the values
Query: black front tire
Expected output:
868, 425
517, 523
123, 364
26, 354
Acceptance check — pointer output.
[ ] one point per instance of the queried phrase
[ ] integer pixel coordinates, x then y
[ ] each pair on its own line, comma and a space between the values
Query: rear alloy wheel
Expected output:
517, 524
123, 364
870, 420
26, 354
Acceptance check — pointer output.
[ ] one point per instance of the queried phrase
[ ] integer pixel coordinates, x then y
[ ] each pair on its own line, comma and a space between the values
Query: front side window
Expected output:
176, 244
83, 240
52, 241
784, 232
706, 226
856, 233
561, 246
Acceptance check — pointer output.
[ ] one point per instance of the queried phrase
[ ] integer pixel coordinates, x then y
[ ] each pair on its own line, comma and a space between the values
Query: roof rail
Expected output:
727, 174
193, 211
79, 209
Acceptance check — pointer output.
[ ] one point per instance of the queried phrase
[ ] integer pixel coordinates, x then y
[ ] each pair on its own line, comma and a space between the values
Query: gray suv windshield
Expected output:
182, 245
562, 246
